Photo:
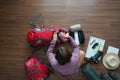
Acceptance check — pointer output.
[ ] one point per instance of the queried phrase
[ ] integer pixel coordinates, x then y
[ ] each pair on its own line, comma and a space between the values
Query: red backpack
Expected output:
42, 36
35, 69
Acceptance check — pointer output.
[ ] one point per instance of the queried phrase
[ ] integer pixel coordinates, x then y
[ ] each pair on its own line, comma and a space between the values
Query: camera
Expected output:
94, 58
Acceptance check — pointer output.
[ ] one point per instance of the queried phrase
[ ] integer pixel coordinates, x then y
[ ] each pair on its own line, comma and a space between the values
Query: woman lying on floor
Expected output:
65, 63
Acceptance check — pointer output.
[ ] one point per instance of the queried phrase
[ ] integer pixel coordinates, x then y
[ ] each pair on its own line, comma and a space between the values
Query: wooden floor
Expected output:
100, 18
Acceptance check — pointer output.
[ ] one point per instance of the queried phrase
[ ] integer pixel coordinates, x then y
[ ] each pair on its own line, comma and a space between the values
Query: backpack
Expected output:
36, 70
42, 36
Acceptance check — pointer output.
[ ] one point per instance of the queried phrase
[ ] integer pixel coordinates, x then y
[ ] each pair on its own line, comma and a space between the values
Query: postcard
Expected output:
112, 50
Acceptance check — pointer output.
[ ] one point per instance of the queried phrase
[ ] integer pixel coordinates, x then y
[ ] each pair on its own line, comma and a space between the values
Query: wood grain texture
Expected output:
100, 18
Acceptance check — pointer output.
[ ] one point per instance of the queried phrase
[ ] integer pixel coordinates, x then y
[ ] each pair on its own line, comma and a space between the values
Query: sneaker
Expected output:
105, 76
114, 75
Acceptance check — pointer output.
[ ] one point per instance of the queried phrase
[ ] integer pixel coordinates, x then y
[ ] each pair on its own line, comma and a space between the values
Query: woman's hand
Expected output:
67, 35
55, 36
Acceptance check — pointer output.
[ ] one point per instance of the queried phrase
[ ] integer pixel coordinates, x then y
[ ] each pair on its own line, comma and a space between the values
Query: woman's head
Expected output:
63, 56
63, 36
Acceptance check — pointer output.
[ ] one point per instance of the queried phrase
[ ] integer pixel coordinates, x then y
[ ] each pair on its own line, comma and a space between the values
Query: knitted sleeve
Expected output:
50, 54
76, 51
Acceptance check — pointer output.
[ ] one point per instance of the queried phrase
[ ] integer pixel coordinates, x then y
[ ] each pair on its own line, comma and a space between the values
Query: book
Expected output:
95, 44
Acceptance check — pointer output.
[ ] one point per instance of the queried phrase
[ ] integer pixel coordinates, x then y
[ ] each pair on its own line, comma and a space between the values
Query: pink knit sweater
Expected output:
70, 68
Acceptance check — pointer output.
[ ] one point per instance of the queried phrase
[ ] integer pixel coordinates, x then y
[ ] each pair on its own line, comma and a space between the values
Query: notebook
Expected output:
94, 45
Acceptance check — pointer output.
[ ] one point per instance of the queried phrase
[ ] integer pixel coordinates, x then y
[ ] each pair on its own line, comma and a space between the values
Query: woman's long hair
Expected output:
63, 56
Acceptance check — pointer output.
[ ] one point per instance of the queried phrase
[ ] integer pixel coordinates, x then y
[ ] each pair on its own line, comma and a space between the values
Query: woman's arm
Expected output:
51, 47
74, 44
50, 54
76, 51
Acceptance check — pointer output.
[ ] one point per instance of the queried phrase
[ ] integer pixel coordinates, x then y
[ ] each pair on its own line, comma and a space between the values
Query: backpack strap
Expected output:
48, 65
43, 79
32, 23
59, 40
39, 47
36, 49
64, 30
35, 41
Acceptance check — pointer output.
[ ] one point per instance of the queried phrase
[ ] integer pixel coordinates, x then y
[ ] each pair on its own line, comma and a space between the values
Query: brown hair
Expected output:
63, 56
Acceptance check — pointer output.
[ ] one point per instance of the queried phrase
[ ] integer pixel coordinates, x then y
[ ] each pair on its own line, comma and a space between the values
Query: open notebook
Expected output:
94, 45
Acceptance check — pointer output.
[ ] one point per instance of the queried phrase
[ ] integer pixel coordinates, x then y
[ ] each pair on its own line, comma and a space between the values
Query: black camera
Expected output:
94, 59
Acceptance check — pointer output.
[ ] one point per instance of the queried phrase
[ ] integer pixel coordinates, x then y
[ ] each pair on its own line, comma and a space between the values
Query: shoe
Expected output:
105, 76
115, 75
